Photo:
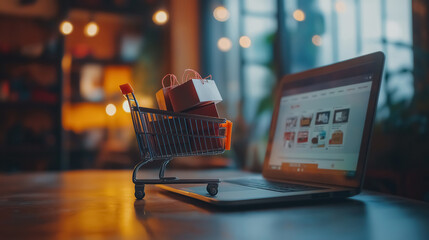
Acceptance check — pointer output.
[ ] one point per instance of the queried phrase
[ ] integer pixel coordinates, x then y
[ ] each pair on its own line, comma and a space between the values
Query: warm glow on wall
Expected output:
224, 44
221, 14
66, 62
110, 109
245, 42
91, 29
113, 75
160, 17
146, 101
299, 15
66, 27
317, 40
126, 106
80, 117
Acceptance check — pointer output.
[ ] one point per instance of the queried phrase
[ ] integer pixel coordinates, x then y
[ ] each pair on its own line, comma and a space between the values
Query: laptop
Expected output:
319, 138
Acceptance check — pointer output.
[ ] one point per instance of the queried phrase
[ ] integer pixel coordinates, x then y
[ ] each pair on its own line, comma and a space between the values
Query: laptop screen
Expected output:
319, 127
322, 123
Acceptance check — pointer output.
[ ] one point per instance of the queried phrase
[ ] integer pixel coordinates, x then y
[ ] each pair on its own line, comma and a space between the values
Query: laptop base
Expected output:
237, 195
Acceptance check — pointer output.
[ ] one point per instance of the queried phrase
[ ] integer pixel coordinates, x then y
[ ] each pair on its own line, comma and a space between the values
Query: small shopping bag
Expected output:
194, 92
163, 95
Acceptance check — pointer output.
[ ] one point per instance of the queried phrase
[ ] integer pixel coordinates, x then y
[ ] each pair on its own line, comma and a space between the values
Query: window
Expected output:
293, 35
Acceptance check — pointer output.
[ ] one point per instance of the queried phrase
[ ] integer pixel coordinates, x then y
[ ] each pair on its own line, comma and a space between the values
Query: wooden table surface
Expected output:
100, 205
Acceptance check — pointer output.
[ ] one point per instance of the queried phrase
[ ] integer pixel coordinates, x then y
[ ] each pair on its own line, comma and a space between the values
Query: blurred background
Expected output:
61, 63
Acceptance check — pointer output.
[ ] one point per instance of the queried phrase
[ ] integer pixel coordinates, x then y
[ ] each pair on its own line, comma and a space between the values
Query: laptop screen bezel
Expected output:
372, 63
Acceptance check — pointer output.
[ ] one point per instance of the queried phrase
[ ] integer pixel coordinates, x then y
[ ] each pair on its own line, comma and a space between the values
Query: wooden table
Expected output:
100, 205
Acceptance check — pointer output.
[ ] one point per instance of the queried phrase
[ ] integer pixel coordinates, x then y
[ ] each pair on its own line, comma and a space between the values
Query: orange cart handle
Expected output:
126, 88
228, 133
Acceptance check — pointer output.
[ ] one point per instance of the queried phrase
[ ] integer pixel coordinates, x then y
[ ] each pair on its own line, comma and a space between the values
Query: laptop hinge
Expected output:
309, 183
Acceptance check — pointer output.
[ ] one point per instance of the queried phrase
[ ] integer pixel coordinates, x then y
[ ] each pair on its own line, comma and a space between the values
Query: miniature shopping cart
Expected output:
162, 135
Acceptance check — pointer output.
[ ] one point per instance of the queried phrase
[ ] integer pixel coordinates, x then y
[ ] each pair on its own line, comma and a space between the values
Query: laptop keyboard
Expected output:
272, 186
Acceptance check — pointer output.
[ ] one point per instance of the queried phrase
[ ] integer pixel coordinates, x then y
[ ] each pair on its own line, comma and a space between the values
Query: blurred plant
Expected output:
401, 138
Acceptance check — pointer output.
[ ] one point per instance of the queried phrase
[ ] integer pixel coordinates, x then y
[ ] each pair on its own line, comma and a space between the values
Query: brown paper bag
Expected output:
163, 95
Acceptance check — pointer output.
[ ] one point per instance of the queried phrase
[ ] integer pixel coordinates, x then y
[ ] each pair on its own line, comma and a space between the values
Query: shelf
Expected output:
76, 101
48, 21
32, 104
14, 58
25, 104
26, 150
114, 61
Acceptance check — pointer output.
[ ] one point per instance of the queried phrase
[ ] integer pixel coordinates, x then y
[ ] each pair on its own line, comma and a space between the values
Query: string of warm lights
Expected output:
66, 27
224, 44
91, 29
220, 13
111, 108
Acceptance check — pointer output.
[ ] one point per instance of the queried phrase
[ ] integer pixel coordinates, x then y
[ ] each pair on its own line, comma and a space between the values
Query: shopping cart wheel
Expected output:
139, 192
212, 188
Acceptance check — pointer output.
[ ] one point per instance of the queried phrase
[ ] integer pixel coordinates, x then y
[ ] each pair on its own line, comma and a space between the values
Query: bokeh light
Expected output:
340, 7
160, 17
66, 27
126, 106
245, 42
110, 109
299, 15
224, 44
221, 14
91, 29
317, 40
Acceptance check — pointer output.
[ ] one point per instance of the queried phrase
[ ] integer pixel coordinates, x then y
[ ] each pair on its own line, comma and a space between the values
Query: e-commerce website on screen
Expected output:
321, 128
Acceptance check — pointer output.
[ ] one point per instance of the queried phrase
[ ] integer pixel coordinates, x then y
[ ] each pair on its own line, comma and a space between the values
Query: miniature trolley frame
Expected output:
163, 135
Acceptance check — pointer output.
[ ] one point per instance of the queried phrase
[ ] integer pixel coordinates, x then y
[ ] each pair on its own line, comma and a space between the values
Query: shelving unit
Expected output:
38, 89
30, 99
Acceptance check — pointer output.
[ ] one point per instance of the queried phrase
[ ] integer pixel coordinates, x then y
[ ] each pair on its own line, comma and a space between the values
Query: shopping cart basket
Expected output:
162, 135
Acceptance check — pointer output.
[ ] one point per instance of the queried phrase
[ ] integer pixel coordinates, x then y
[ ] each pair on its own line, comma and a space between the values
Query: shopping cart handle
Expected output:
126, 88
228, 133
